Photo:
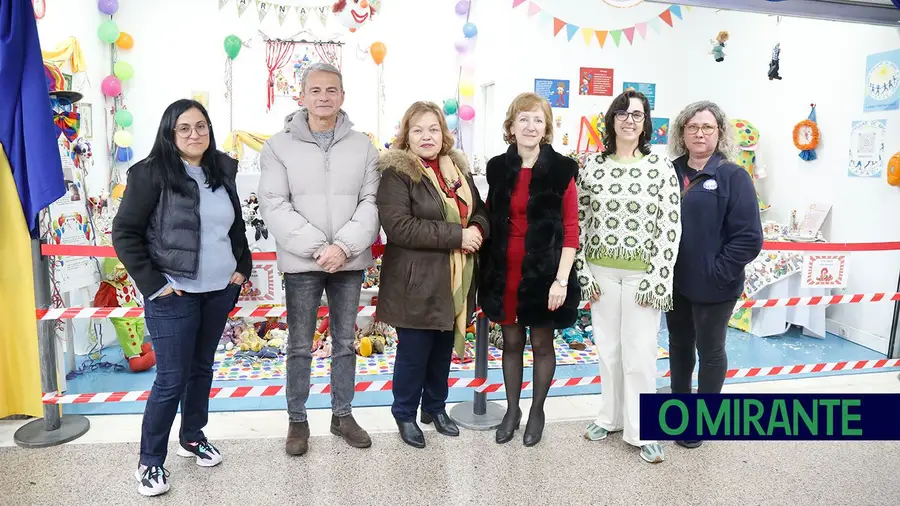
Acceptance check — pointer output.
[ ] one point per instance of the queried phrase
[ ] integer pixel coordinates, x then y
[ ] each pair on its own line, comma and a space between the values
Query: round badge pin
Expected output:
710, 185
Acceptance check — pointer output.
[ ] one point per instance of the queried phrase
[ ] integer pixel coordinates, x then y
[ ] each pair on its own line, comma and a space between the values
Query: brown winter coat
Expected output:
414, 291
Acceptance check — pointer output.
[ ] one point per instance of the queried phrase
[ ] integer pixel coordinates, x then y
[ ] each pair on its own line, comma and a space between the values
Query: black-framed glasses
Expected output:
184, 131
706, 129
637, 116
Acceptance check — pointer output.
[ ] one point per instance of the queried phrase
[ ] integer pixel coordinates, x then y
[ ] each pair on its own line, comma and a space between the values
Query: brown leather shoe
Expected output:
297, 442
353, 434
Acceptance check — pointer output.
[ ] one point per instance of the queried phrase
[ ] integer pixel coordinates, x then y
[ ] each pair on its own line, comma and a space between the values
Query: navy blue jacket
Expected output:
721, 231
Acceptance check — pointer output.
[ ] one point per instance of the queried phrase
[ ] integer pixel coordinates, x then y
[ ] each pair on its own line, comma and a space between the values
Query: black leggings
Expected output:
700, 327
544, 365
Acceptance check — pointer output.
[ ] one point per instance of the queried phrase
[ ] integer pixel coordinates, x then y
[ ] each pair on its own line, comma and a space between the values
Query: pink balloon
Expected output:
466, 113
111, 86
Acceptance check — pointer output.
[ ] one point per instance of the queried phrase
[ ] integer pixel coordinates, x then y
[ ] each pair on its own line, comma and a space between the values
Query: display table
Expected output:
774, 321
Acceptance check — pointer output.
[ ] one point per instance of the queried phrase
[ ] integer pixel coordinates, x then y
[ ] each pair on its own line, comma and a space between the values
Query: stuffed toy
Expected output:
375, 338
718, 46
353, 13
231, 334
773, 65
747, 138
117, 290
250, 210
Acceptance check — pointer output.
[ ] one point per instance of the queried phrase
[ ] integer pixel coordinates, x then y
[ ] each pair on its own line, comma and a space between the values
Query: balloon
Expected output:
466, 89
468, 63
122, 138
452, 121
450, 106
123, 70
378, 51
108, 31
124, 154
462, 7
124, 118
125, 41
111, 86
232, 46
108, 7
466, 113
469, 30
461, 45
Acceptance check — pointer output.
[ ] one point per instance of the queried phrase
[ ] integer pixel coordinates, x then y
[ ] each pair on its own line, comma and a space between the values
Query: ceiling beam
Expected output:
830, 10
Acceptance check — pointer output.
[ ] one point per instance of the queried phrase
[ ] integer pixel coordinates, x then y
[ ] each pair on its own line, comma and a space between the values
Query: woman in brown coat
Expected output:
435, 222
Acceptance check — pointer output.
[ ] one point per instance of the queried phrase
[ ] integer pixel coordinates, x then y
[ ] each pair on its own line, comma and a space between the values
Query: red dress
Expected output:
518, 225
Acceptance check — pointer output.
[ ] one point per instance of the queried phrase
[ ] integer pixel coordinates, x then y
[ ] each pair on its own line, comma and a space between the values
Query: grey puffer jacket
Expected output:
310, 198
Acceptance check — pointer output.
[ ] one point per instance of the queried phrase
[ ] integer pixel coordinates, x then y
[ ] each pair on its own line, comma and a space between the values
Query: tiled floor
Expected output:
97, 468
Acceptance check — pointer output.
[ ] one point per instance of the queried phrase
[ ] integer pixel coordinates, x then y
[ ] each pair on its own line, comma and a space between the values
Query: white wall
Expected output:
179, 49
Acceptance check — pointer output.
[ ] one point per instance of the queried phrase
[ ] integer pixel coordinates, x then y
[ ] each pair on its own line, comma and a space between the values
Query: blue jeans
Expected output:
303, 296
185, 330
421, 371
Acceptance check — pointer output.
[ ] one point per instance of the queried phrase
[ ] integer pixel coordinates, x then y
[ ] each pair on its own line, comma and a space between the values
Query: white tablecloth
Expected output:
766, 322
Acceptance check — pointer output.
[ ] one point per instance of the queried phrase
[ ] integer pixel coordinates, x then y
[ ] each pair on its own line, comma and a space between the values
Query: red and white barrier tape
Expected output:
70, 313
479, 385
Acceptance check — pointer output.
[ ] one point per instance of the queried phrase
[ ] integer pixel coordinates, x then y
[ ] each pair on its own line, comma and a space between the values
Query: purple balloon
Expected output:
108, 7
462, 46
462, 7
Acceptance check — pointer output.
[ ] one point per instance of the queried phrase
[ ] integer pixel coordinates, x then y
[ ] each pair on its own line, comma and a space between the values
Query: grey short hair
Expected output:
726, 145
321, 67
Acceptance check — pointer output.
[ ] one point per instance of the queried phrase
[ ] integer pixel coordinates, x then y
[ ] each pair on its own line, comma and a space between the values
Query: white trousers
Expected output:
626, 337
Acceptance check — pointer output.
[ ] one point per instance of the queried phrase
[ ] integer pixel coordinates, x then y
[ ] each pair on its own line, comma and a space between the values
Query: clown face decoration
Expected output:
353, 13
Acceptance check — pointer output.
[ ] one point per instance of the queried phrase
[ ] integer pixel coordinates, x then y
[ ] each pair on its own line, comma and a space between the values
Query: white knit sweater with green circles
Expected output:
630, 211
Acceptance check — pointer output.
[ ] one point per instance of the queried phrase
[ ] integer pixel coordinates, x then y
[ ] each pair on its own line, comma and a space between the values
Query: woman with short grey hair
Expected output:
721, 234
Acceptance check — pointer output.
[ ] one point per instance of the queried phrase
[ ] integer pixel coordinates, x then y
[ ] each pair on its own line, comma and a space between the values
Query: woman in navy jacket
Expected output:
721, 234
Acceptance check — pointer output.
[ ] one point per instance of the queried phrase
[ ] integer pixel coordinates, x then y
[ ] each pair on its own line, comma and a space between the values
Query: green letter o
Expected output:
662, 417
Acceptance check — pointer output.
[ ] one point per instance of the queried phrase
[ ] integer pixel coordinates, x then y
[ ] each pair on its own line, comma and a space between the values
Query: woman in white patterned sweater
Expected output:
629, 212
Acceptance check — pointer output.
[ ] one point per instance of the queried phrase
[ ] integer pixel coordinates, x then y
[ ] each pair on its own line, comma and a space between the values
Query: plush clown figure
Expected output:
117, 290
353, 13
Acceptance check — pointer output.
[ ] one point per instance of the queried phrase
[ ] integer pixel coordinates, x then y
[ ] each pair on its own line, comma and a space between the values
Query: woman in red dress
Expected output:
527, 280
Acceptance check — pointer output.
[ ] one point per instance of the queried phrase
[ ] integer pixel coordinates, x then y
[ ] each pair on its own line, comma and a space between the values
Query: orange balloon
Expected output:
378, 50
125, 41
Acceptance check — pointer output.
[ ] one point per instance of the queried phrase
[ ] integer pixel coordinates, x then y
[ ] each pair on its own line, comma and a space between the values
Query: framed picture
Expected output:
86, 121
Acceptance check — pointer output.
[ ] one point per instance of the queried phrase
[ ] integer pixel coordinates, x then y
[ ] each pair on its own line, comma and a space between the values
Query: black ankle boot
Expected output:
534, 429
411, 434
508, 426
442, 423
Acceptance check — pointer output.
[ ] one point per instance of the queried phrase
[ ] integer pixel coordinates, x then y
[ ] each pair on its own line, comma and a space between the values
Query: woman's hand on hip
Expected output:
238, 279
557, 296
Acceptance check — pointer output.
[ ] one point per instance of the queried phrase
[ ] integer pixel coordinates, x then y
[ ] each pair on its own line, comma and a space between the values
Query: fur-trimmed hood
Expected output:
404, 162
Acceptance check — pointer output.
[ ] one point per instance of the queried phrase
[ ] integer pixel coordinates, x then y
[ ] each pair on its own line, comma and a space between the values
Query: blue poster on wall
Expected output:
882, 82
660, 131
648, 89
556, 91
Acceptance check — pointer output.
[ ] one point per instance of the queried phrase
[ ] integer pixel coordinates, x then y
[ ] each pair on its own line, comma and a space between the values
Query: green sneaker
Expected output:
595, 432
653, 453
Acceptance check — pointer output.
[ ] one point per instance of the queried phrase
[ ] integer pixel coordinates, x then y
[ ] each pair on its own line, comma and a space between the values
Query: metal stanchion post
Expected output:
54, 428
894, 343
479, 414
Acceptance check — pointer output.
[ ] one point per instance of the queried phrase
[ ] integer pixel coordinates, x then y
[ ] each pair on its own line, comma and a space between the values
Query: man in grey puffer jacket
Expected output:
317, 196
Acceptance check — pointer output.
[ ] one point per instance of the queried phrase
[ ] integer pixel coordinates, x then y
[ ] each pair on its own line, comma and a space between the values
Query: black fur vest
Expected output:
551, 176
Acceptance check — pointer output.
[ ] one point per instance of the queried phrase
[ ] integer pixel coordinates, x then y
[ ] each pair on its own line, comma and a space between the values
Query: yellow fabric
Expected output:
236, 140
461, 266
20, 377
68, 51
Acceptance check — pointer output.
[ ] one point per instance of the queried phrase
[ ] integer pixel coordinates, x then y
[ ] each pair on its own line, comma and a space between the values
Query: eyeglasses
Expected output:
184, 131
706, 129
637, 116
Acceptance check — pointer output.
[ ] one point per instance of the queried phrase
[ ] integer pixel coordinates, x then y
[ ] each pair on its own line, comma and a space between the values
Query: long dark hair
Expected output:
621, 103
166, 159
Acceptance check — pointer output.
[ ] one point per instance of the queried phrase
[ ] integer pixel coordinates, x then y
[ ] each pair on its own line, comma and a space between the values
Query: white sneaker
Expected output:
207, 455
153, 480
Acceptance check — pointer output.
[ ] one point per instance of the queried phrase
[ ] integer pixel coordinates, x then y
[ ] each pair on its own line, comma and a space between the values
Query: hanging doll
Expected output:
718, 46
773, 65
253, 218
117, 290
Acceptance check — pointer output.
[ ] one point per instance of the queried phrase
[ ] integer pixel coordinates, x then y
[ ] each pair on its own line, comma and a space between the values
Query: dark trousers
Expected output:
185, 330
701, 328
421, 371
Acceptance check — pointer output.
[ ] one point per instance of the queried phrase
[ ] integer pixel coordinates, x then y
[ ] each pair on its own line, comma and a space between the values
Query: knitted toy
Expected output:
231, 334
747, 137
773, 64
718, 46
374, 338
353, 13
250, 211
117, 290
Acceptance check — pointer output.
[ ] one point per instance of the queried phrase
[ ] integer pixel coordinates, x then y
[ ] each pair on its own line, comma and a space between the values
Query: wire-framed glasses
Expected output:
184, 131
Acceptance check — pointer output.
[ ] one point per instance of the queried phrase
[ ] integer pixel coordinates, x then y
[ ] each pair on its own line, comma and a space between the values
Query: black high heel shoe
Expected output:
442, 423
534, 429
508, 427
411, 434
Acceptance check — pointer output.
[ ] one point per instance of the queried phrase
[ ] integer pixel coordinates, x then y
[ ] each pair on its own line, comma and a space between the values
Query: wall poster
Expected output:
825, 271
867, 148
660, 131
595, 81
882, 82
70, 225
264, 284
556, 91
647, 89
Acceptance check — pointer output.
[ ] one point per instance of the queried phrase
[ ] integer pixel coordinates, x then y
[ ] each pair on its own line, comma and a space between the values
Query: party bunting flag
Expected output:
242, 6
322, 12
222, 3
536, 11
282, 11
303, 14
262, 8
